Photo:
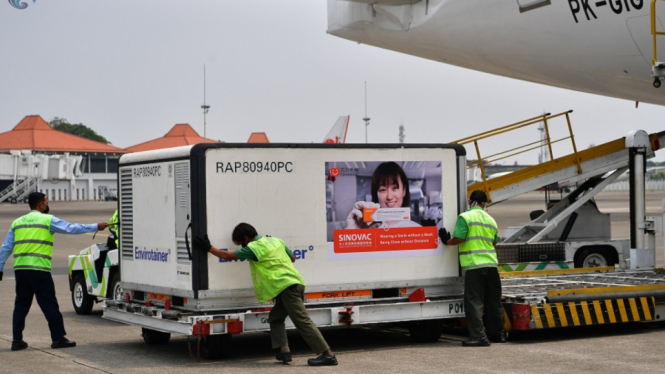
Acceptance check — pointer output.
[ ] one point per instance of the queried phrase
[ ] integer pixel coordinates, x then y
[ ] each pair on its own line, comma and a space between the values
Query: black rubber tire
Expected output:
426, 331
114, 291
216, 346
13, 200
598, 253
81, 300
154, 337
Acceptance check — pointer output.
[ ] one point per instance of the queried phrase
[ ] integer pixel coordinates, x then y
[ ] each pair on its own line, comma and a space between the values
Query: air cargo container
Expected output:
384, 265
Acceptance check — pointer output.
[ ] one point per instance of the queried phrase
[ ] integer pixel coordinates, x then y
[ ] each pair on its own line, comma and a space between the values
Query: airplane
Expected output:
603, 47
337, 134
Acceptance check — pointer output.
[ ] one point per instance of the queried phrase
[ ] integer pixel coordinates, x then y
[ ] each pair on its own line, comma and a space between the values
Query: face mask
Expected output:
48, 208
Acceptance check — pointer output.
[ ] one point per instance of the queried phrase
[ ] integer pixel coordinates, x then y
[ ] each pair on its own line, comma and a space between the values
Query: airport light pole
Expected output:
205, 106
366, 119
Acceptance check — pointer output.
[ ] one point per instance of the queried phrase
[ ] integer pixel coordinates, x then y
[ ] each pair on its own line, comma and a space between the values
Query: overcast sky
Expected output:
131, 70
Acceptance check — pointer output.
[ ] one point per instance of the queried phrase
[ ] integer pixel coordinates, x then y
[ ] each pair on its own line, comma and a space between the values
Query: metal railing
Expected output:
547, 141
656, 66
18, 190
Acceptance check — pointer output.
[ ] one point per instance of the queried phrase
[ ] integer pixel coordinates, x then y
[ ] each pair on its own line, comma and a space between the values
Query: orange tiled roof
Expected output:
180, 134
35, 134
258, 137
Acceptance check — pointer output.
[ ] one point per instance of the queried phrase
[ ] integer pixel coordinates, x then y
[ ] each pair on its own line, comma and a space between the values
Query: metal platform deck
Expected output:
540, 286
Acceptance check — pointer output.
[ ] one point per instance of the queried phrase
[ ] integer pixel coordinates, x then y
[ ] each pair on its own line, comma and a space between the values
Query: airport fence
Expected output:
650, 185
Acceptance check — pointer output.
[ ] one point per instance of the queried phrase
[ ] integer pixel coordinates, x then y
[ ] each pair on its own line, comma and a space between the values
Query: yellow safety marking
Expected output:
645, 308
550, 166
548, 314
573, 313
610, 311
599, 312
585, 310
633, 307
507, 325
622, 311
337, 294
615, 289
539, 273
536, 317
562, 314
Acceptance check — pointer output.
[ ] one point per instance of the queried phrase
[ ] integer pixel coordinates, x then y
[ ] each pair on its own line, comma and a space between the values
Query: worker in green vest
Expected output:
275, 278
476, 233
113, 225
31, 239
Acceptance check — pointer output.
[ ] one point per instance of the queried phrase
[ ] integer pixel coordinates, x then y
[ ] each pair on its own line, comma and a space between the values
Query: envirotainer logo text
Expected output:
152, 254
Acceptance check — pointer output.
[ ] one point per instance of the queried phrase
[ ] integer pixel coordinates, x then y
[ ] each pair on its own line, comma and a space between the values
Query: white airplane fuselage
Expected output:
600, 47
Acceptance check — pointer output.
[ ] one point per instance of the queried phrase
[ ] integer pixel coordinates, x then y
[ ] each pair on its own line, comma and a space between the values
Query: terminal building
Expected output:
61, 165
65, 167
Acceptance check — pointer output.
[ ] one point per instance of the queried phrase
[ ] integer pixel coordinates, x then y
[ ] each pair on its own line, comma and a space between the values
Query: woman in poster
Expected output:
390, 189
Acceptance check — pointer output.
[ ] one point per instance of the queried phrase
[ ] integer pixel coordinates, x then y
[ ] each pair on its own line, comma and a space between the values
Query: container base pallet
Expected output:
346, 314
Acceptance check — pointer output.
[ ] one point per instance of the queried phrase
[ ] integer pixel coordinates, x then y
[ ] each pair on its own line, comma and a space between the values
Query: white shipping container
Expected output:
301, 194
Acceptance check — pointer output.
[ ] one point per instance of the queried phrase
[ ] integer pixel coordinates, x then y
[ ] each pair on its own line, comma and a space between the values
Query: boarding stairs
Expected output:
570, 168
595, 167
19, 190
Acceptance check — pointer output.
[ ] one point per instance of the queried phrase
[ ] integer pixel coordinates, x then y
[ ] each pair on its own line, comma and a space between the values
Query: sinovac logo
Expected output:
156, 254
355, 237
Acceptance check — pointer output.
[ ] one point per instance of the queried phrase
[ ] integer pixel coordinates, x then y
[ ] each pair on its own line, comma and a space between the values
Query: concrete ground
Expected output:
107, 347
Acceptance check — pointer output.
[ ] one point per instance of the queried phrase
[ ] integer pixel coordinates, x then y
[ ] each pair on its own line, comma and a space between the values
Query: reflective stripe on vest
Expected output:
33, 242
274, 271
477, 250
113, 224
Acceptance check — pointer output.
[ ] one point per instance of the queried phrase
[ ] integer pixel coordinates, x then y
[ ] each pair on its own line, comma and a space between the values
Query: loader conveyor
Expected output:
579, 165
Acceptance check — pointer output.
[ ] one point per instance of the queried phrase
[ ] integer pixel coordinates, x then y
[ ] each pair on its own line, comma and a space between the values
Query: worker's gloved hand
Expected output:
0, 275
202, 243
444, 235
355, 218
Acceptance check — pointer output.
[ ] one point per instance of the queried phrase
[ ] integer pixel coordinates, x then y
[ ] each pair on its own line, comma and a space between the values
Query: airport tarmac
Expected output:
108, 347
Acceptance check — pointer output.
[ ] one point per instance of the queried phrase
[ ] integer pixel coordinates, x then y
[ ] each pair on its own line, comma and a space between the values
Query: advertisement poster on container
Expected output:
388, 209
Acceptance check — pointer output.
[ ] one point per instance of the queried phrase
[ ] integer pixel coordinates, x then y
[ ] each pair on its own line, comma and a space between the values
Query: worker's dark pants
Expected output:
31, 283
290, 303
482, 292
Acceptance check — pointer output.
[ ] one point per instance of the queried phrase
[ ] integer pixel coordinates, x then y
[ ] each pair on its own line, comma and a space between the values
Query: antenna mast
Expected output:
205, 106
366, 119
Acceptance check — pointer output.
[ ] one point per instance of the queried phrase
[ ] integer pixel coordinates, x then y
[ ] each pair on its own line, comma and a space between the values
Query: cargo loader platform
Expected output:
581, 297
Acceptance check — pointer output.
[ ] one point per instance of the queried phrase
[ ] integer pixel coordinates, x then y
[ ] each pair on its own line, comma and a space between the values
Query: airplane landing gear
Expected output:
656, 82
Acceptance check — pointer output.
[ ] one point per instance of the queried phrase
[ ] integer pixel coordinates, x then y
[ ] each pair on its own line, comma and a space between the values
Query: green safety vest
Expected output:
477, 250
274, 271
33, 242
113, 224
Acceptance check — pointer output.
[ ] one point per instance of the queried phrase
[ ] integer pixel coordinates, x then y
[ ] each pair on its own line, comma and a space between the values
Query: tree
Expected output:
77, 129
658, 176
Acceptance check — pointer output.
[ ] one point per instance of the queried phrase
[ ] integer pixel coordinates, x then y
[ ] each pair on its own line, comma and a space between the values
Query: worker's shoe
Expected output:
498, 338
284, 357
17, 345
322, 360
477, 342
63, 343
